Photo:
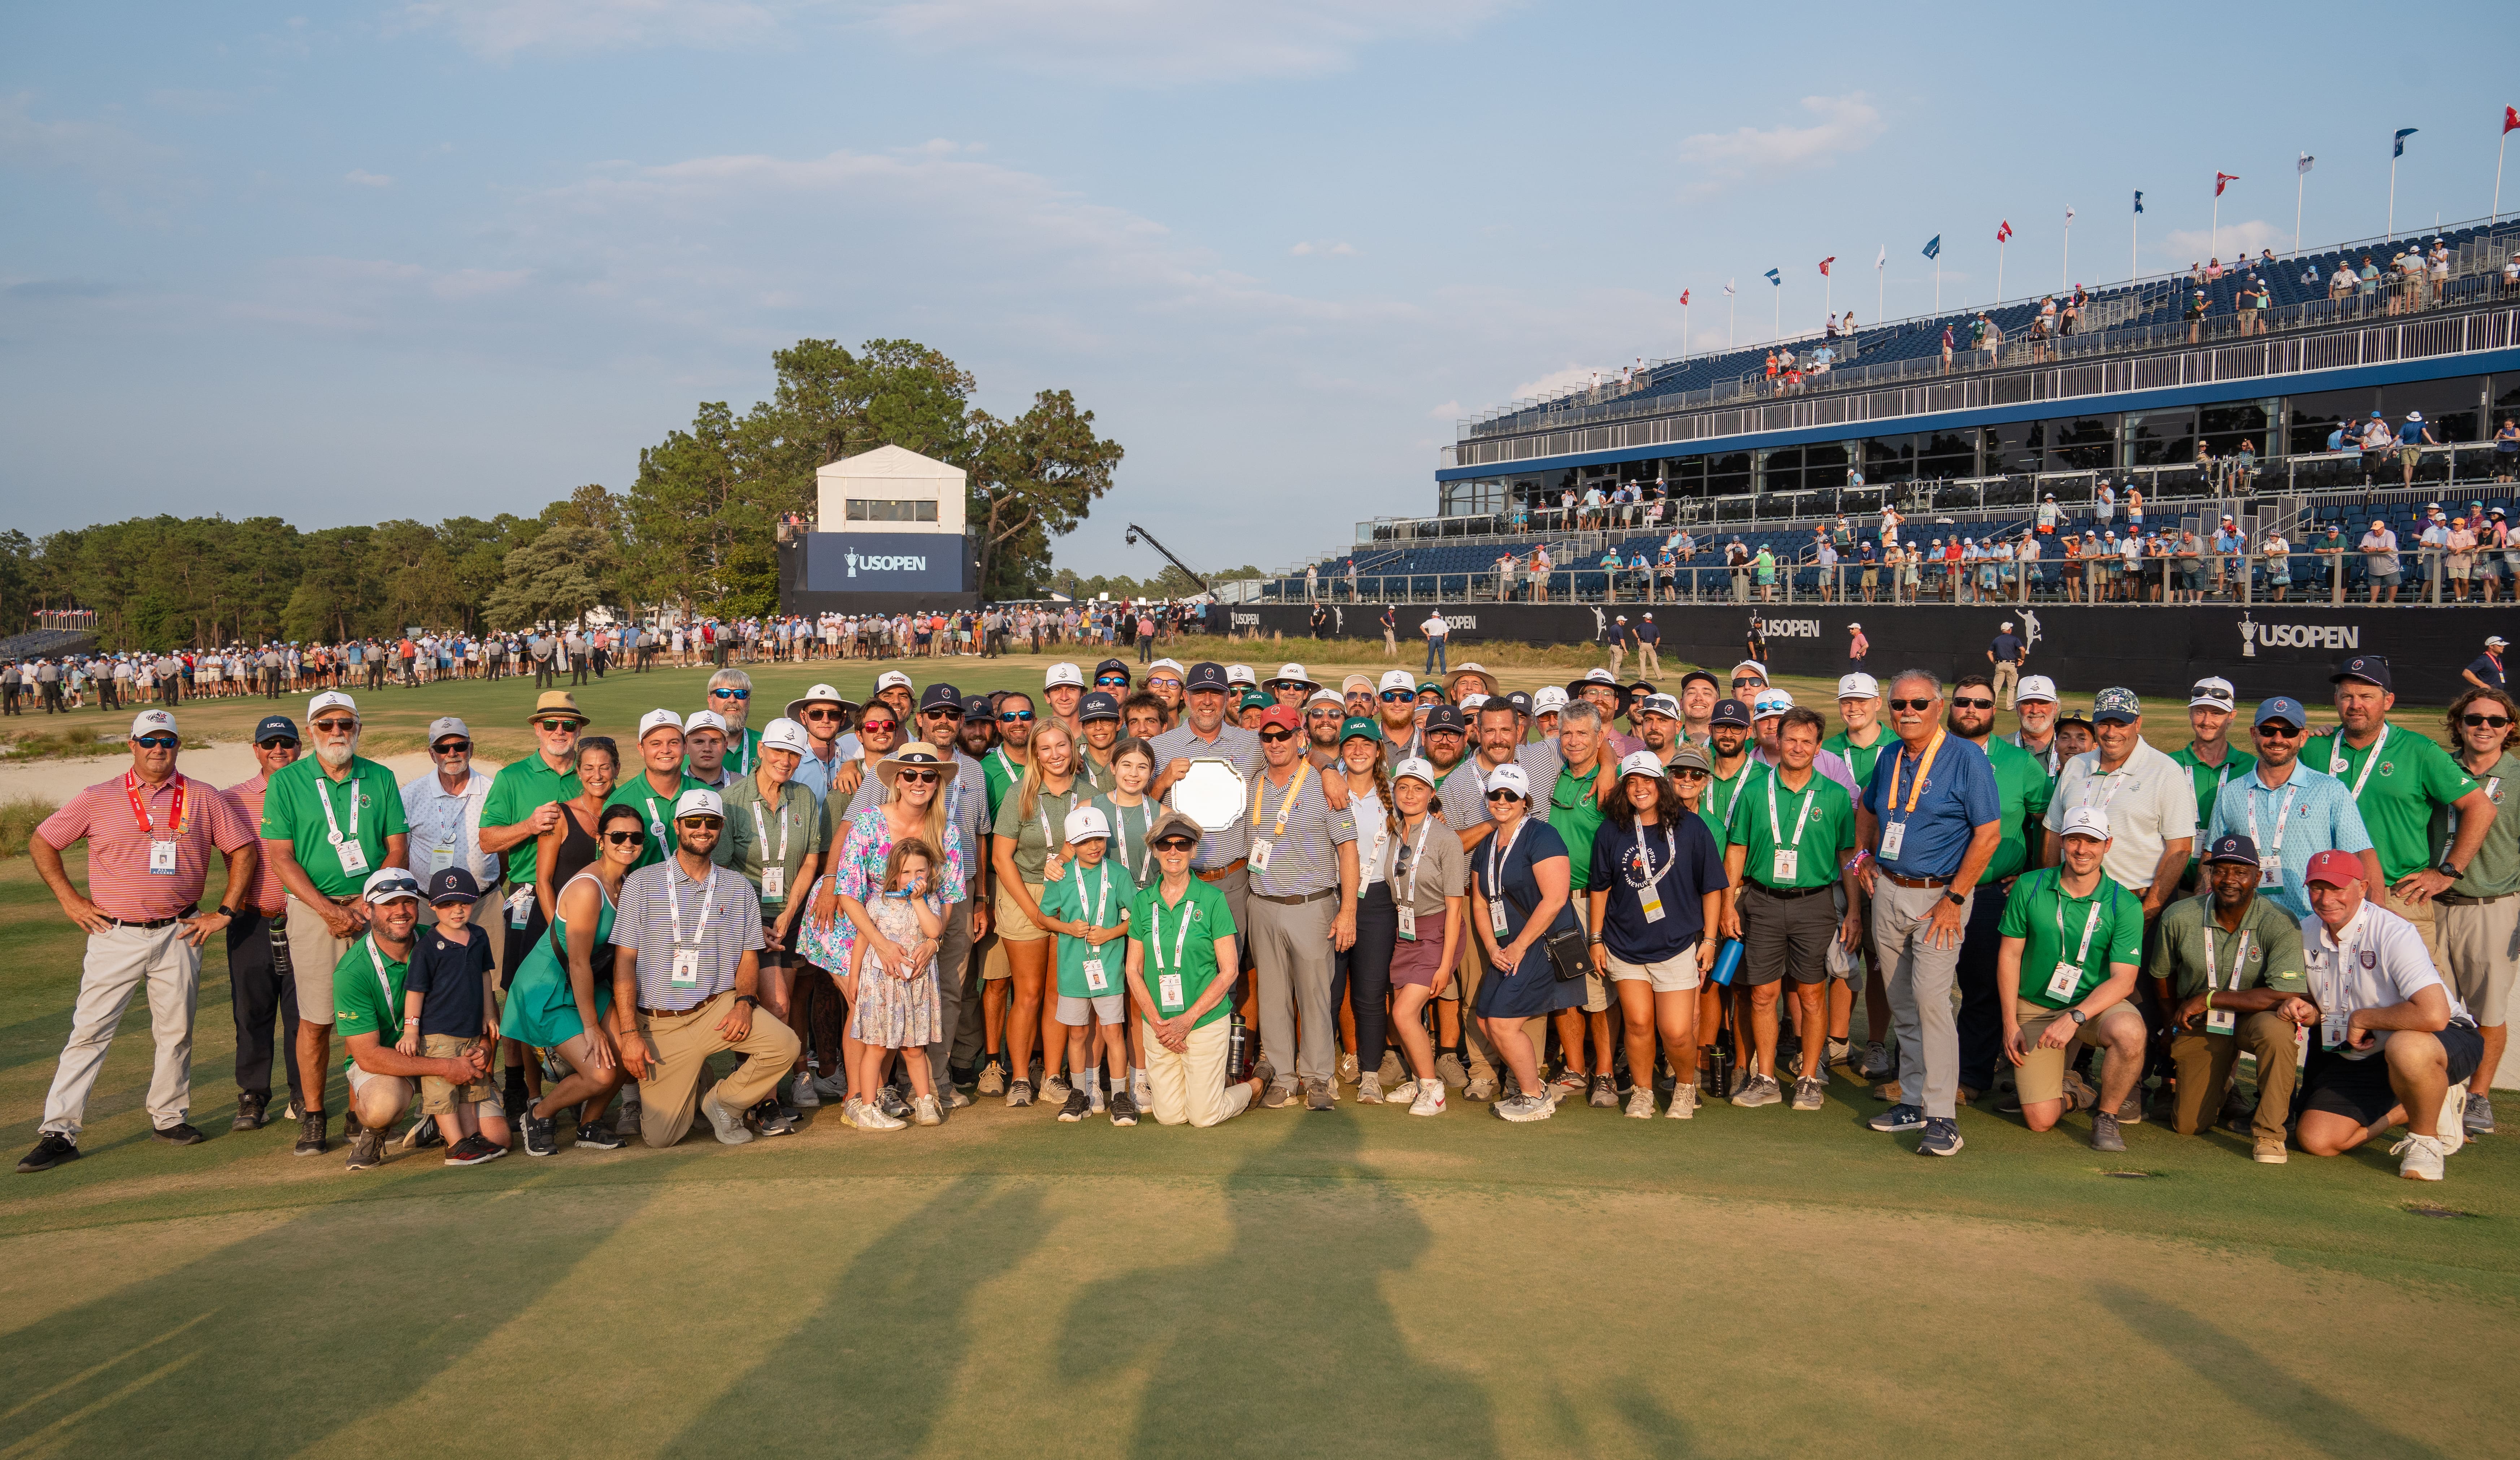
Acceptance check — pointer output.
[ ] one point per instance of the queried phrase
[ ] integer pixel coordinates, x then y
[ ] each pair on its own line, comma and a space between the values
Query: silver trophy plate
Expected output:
1212, 793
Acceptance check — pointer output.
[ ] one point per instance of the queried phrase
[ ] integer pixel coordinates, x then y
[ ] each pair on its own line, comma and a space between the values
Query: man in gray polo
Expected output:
1303, 882
685, 986
1203, 734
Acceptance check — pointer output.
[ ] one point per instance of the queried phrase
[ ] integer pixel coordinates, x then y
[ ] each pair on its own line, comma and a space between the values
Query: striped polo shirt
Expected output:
118, 879
644, 921
268, 892
1233, 743
1538, 760
1304, 858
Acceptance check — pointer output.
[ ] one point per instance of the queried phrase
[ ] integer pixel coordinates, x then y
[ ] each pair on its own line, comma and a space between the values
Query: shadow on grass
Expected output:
1284, 1344
2319, 1423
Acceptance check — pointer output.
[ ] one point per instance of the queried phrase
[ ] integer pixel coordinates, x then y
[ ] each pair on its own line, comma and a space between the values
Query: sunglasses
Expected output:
1690, 775
696, 823
1505, 795
1911, 704
630, 838
156, 742
940, 714
1175, 844
556, 727
336, 726
1397, 696
1737, 683
451, 748
1973, 703
1110, 681
1015, 717
821, 713
730, 694
917, 777
283, 743
2497, 722
1273, 736
2279, 730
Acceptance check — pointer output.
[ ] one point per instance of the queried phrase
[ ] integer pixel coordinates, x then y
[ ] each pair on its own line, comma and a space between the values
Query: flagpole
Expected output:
1938, 283
2214, 230
2065, 261
2300, 181
2393, 190
2497, 175
2000, 247
1729, 300
2135, 230
1881, 264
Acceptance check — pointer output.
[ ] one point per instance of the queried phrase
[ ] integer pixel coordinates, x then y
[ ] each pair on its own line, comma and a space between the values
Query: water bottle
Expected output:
1237, 1049
1723, 1071
1727, 962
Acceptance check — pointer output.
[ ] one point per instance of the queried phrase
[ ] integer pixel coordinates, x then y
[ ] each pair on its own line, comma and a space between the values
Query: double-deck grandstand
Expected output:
2206, 393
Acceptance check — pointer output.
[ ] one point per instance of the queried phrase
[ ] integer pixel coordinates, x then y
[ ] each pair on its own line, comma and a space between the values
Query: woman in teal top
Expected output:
564, 988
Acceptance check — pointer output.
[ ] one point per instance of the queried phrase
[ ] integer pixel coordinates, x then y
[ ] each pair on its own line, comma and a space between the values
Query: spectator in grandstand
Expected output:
1538, 573
2379, 549
2340, 285
2195, 316
2413, 438
2279, 560
1947, 349
2462, 563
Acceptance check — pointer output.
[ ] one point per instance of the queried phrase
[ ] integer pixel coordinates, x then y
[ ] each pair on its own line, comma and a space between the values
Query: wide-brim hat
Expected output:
917, 755
821, 694
1453, 679
555, 702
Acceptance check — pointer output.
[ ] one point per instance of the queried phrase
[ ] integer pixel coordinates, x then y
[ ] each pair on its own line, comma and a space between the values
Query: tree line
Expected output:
698, 530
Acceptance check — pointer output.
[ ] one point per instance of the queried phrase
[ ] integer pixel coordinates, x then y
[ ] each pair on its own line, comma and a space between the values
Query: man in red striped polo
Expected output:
149, 833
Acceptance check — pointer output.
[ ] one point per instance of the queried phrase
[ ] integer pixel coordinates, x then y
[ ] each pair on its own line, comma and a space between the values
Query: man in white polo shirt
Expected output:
2393, 1044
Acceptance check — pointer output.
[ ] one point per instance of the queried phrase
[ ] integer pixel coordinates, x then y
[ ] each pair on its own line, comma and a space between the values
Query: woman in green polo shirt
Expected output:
1180, 938
2072, 943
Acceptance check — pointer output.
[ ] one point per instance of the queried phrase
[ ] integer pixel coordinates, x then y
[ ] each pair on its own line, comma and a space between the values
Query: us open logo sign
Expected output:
898, 562
2296, 636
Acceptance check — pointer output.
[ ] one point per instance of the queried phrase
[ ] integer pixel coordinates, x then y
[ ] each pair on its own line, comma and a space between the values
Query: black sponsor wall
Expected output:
2262, 648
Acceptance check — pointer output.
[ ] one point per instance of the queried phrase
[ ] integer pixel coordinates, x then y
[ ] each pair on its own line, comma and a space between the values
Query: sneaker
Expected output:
1876, 1060
1684, 1103
1789, 1051
2078, 1094
802, 1094
598, 1138
1142, 1088
2452, 1123
1448, 1069
424, 1135
180, 1134
849, 1112
1056, 1089
1605, 1094
1074, 1108
251, 1112
1569, 1081
54, 1149
2479, 1120
1019, 1094
1347, 1069
1393, 1069
1267, 1074
954, 1099
1124, 1108
540, 1140
1094, 1092
473, 1150
1810, 1093
870, 1116
2104, 1132
2130, 1109
926, 1109
297, 1109
830, 1087
1479, 1091
1369, 1087
310, 1133
893, 1102
993, 1079
1522, 1109
1837, 1051
2422, 1158
769, 1119
1276, 1094
1941, 1137
1641, 1103
367, 1149
2270, 1153
1405, 1091
1760, 1090
1317, 1094
1428, 1099
727, 1124
1898, 1118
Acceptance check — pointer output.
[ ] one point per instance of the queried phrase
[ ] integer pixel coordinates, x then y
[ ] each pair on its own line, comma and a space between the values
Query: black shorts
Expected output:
2359, 1089
1786, 936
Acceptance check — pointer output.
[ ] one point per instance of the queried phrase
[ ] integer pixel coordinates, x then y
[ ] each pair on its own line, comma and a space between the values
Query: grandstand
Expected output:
2132, 392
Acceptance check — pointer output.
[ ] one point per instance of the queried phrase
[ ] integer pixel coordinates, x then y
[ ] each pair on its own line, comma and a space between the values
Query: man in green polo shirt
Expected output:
652, 792
2227, 964
367, 1007
2210, 757
2400, 780
2072, 943
1793, 835
1005, 765
1181, 935
524, 803
330, 822
2023, 789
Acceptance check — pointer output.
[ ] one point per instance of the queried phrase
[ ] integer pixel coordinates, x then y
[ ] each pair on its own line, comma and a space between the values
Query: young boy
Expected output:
447, 1011
1088, 908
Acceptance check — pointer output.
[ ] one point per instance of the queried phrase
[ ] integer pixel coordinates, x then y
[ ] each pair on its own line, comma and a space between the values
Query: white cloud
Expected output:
2195, 245
1331, 251
1846, 124
1161, 43
366, 179
1448, 410
1559, 381
499, 29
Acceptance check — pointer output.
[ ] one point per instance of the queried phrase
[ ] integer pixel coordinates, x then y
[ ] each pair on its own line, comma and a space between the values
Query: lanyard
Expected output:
1155, 933
2240, 955
2336, 759
2223, 773
1645, 854
2110, 783
324, 795
139, 804
2089, 924
674, 905
2283, 809
1121, 833
1416, 858
1005, 762
1495, 889
761, 832
1285, 808
1801, 814
1925, 768
378, 962
744, 754
1102, 900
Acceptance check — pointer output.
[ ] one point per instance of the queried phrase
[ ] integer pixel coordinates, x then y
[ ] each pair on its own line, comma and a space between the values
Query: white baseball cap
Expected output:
391, 884
2035, 687
1399, 679
1325, 697
1085, 825
1644, 763
1472, 702
1175, 665
699, 801
1062, 672
447, 725
1241, 674
895, 679
1752, 665
2213, 690
149, 722
1769, 702
784, 733
330, 699
659, 720
1414, 768
1858, 685
1550, 700
2085, 820
702, 720
1510, 777
1658, 704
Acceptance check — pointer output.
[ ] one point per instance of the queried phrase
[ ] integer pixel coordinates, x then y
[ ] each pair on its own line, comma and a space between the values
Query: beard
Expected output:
334, 757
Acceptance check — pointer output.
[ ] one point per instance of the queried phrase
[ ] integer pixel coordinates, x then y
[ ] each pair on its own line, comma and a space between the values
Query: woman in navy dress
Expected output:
1519, 885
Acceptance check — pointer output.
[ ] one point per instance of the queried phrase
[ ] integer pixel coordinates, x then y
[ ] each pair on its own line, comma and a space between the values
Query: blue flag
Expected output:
2139, 200
1776, 278
2399, 149
1934, 246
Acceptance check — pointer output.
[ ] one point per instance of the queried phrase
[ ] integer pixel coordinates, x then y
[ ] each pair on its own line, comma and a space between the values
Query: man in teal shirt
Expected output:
652, 792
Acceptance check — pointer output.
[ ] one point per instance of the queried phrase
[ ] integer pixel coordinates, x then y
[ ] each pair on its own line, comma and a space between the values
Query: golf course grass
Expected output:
1357, 1283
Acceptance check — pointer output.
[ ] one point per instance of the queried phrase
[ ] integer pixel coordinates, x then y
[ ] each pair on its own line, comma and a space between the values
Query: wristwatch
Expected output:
2446, 870
2078, 1015
225, 910
1955, 897
747, 999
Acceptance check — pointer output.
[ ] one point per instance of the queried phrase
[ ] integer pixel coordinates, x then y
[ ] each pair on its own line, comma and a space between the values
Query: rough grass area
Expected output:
19, 816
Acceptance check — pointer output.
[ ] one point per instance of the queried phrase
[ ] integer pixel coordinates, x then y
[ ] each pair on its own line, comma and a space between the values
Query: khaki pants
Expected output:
1291, 949
2007, 678
119, 962
2421, 916
2481, 941
1647, 661
313, 951
2204, 1064
1189, 1088
681, 1042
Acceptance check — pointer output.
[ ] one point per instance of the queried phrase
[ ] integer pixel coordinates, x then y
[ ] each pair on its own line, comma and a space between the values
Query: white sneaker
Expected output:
1368, 1088
802, 1096
870, 1116
1684, 1103
1404, 1092
2422, 1158
1347, 1068
1641, 1103
1429, 1098
728, 1125
1054, 1091
1142, 1088
2453, 1125
1095, 1093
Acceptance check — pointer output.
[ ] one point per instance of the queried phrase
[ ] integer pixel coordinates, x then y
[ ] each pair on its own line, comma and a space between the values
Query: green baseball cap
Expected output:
1254, 699
1358, 724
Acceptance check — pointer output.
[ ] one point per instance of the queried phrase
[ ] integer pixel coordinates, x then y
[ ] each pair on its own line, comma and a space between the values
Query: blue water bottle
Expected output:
1727, 962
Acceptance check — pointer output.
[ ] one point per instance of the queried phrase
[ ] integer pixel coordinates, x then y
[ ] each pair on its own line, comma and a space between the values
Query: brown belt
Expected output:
1917, 881
1297, 901
1220, 874
2456, 899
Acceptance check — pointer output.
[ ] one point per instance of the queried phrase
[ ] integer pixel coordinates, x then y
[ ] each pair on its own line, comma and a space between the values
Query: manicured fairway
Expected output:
1357, 1283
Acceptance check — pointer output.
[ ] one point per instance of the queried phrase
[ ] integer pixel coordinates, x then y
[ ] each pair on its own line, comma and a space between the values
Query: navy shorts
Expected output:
2359, 1089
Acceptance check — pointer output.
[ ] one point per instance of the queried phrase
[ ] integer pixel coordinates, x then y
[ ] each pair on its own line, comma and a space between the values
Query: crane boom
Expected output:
1136, 532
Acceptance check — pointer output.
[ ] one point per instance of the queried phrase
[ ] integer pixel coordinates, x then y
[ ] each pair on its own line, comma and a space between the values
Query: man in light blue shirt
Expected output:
2291, 811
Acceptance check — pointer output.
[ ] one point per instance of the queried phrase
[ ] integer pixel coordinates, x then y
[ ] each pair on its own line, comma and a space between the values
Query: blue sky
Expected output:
367, 261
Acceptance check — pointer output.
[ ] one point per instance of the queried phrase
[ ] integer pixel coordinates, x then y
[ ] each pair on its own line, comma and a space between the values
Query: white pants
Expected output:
1189, 1088
118, 960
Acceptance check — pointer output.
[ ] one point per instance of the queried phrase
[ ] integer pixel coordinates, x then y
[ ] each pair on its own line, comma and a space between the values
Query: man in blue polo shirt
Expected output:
1926, 830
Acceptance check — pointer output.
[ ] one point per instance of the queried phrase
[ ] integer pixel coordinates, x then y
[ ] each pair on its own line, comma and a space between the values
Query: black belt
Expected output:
2456, 899
153, 926
1791, 892
1297, 901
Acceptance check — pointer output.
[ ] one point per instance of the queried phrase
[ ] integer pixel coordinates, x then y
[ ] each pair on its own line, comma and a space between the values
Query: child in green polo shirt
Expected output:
1088, 909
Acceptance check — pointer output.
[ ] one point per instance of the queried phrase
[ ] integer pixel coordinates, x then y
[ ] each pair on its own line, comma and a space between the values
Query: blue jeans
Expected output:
1146, 649
1435, 653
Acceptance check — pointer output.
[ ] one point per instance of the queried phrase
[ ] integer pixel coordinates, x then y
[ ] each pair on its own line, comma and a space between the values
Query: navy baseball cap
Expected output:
1207, 675
2283, 708
1444, 717
1522, 703
453, 885
1730, 712
940, 697
1119, 667
275, 727
2370, 669
978, 707
2235, 848
1098, 704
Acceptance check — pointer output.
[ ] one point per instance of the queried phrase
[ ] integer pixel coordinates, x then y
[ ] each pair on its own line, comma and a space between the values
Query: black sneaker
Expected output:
251, 1112
1124, 1108
367, 1149
425, 1134
473, 1150
180, 1134
1079, 1105
310, 1133
539, 1134
599, 1138
54, 1149
894, 1103
772, 1122
350, 1126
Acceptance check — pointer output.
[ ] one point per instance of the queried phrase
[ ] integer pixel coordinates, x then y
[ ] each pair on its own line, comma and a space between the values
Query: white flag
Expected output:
1727, 286
2304, 165
1881, 258
2069, 215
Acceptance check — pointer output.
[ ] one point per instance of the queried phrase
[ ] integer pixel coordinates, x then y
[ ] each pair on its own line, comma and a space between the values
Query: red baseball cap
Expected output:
2335, 868
1284, 717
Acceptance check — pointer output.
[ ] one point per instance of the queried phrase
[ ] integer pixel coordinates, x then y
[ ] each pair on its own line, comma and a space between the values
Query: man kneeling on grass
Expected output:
2394, 1043
2071, 942
2229, 967
368, 1013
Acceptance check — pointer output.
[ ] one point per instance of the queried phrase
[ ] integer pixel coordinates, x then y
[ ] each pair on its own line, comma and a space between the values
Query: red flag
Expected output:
1684, 299
1824, 263
2511, 119
2223, 180
2003, 232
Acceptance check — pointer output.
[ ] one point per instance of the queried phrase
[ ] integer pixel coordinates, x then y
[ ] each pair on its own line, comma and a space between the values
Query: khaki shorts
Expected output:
360, 1080
313, 954
1013, 926
441, 1097
2041, 1076
1677, 974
